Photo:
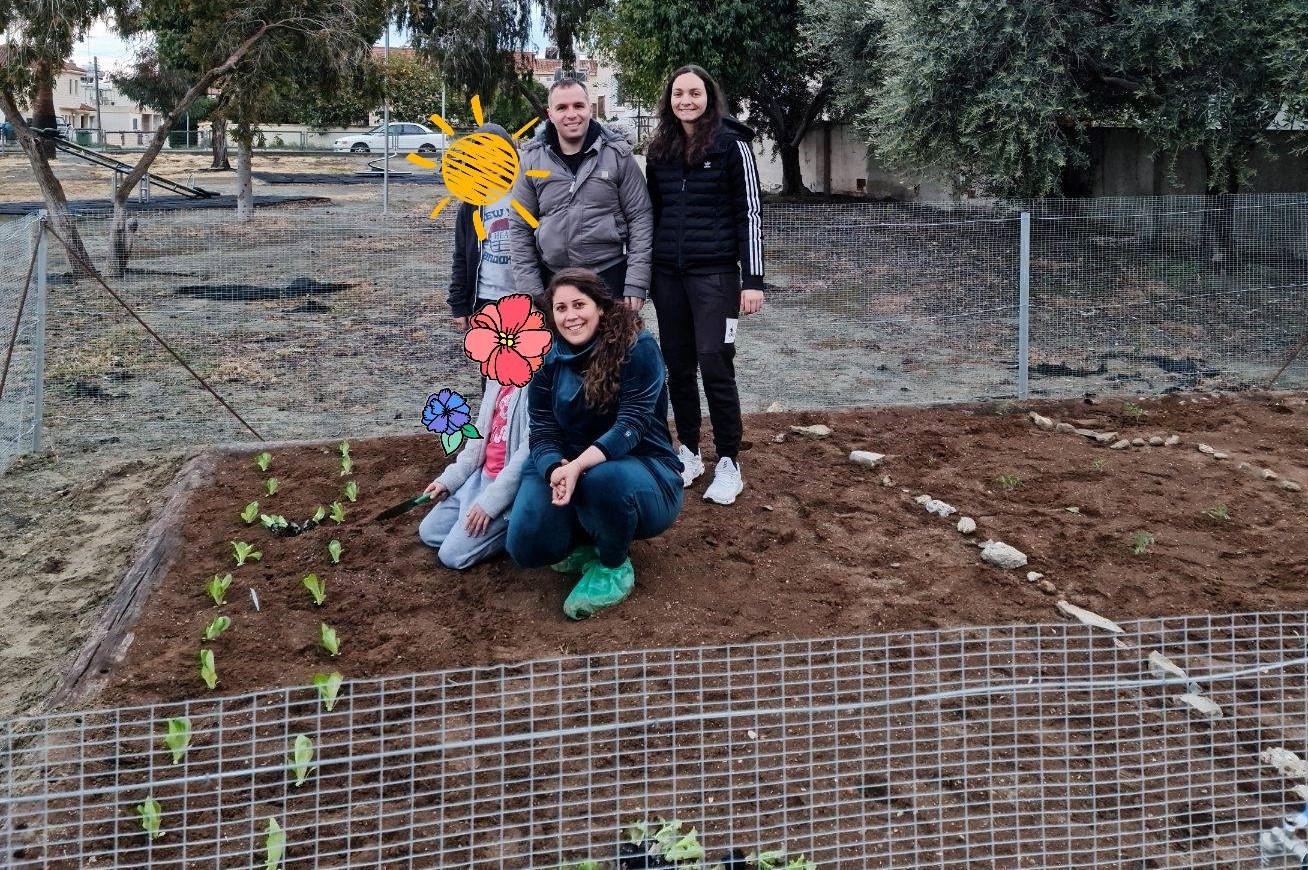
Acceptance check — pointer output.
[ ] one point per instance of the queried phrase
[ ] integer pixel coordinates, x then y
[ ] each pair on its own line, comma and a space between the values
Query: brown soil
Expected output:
816, 546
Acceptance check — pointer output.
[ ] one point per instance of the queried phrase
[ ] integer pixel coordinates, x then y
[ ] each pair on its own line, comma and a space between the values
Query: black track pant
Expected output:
697, 330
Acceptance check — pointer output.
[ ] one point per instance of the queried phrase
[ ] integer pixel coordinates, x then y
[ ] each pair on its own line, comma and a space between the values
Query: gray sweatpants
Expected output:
444, 527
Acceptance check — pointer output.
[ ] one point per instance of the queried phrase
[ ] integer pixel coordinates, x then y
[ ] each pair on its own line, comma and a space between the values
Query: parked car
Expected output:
404, 138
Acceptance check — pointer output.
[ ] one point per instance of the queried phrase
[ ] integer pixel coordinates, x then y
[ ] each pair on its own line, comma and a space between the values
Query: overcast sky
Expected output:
113, 51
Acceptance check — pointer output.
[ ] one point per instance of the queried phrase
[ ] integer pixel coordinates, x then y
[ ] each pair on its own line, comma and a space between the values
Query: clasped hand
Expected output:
563, 481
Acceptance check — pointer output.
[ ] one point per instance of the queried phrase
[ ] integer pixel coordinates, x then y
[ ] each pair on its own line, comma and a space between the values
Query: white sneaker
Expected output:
726, 483
692, 465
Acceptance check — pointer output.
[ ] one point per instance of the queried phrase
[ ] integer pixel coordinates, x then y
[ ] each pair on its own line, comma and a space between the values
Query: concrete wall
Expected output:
1129, 169
1126, 169
851, 172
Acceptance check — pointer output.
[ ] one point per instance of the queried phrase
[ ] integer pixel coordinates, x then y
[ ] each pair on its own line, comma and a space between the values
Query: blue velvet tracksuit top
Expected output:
563, 426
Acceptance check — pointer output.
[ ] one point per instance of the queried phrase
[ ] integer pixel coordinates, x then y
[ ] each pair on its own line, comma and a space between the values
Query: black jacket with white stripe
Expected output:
706, 216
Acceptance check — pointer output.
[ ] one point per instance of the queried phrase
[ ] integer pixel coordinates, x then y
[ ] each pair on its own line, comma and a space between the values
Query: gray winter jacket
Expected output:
498, 496
592, 219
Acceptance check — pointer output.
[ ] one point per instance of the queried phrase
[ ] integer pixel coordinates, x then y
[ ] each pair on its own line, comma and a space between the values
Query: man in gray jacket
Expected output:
593, 207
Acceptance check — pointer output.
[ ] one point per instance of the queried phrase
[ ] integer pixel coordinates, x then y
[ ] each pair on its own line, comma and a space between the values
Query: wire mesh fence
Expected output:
1009, 747
20, 332
326, 323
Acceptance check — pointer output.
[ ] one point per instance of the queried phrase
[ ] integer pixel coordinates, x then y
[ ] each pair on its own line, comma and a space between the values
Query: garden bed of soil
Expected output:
816, 545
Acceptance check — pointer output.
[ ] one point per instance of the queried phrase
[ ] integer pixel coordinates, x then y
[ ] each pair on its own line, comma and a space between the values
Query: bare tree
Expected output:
39, 36
226, 35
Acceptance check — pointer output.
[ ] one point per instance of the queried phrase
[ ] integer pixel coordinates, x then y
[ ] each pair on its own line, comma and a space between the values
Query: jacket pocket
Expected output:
551, 239
598, 239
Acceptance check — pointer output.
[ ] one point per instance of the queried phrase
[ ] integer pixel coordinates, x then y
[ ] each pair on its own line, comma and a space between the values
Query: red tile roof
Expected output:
541, 66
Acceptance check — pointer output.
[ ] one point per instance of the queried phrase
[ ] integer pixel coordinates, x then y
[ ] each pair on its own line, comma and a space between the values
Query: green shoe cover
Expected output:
576, 561
598, 588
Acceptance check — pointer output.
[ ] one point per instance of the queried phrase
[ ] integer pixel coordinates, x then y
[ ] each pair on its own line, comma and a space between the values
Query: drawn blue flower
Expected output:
446, 412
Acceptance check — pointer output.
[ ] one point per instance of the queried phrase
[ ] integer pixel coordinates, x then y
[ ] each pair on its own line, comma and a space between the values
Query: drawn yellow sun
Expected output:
480, 168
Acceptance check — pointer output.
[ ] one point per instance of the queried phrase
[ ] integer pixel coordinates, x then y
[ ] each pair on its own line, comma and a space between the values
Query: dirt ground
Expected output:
816, 546
69, 525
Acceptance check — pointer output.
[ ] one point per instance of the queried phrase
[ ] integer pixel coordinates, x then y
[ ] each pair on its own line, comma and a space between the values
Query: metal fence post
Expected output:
38, 331
1024, 308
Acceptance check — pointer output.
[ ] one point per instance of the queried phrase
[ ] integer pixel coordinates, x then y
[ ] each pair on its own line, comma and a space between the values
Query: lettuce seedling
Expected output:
338, 512
334, 550
245, 551
263, 460
1141, 542
274, 845
151, 816
271, 485
347, 465
667, 834
770, 860
344, 447
327, 637
208, 672
217, 627
638, 832
775, 859
352, 491
320, 514
274, 522
329, 687
300, 758
251, 512
686, 848
178, 738
317, 588
218, 588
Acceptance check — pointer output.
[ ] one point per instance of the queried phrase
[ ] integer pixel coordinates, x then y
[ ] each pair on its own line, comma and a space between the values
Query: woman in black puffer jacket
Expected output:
708, 264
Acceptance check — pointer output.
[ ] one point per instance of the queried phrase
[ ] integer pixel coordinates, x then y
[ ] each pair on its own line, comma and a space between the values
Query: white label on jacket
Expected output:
730, 337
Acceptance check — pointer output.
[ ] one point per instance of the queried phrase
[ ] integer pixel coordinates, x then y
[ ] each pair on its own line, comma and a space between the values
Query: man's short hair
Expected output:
567, 82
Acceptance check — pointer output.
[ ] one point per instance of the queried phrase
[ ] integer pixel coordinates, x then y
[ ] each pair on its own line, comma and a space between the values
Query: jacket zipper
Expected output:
681, 224
572, 188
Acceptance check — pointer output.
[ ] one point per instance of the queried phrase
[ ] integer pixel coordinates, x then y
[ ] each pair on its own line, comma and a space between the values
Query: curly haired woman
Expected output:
602, 471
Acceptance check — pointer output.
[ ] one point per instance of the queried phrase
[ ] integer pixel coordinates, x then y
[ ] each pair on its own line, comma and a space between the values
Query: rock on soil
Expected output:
816, 432
866, 458
1002, 555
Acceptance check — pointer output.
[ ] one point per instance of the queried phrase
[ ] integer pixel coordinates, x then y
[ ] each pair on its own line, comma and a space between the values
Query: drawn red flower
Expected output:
509, 339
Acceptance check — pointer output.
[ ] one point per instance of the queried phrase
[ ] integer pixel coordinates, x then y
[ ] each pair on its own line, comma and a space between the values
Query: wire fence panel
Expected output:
883, 304
19, 322
1140, 296
1009, 747
304, 324
317, 323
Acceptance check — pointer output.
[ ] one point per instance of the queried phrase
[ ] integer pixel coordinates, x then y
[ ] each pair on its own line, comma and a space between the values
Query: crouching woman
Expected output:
474, 493
602, 471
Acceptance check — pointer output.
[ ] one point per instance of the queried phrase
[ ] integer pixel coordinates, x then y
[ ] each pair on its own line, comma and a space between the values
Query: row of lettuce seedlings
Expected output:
178, 736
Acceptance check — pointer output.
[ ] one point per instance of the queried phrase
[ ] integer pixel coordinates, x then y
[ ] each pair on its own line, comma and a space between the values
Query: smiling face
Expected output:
689, 97
576, 316
569, 109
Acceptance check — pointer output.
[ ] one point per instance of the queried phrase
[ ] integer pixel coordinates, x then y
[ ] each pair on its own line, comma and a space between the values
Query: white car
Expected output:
404, 138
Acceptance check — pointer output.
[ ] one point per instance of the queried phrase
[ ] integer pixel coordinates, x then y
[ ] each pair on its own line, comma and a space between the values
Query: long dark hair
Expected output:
668, 144
614, 337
